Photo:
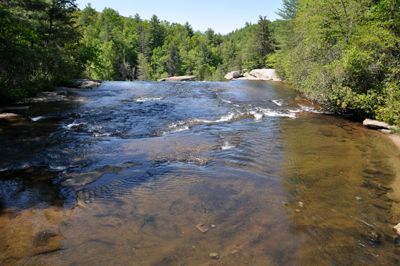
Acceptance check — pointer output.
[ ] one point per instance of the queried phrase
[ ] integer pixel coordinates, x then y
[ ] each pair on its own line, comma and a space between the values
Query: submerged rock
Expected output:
214, 255
89, 177
202, 228
374, 237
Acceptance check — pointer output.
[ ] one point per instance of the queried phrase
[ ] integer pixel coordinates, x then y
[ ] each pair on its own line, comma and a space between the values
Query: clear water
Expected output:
125, 173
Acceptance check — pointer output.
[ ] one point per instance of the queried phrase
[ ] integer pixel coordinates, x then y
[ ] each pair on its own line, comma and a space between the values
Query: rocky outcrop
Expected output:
381, 126
8, 115
369, 123
51, 96
86, 83
180, 78
255, 74
247, 76
264, 74
233, 74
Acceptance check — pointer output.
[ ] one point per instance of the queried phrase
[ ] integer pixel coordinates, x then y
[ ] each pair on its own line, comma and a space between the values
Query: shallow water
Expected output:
123, 176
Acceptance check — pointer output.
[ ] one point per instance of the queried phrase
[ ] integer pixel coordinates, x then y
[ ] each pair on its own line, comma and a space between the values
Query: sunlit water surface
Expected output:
123, 176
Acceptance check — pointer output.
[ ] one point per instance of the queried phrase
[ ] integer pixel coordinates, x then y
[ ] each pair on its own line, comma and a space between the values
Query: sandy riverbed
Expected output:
395, 194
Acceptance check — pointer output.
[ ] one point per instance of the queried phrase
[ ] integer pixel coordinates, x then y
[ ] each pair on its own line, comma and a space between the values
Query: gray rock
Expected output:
264, 74
369, 123
89, 177
386, 131
8, 115
214, 256
180, 78
86, 83
246, 76
233, 74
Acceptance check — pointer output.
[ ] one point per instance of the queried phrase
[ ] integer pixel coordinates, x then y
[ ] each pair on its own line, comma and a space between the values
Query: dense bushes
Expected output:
40, 47
346, 56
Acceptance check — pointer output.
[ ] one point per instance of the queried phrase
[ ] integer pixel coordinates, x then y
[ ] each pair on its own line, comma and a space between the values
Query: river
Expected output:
132, 173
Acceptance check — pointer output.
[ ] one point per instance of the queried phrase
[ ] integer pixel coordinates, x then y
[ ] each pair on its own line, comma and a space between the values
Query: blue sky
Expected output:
222, 16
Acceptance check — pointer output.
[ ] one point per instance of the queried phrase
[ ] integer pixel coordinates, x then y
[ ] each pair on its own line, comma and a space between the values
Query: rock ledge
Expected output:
180, 78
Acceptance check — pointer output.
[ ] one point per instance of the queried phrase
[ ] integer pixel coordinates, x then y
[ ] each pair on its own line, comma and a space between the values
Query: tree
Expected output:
173, 59
39, 46
156, 33
262, 39
144, 69
289, 10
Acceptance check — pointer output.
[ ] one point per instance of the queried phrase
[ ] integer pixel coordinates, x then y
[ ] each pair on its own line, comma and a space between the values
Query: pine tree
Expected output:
173, 59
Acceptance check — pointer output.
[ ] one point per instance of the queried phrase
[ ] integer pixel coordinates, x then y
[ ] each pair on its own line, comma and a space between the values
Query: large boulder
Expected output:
233, 75
369, 123
264, 74
86, 83
180, 78
247, 76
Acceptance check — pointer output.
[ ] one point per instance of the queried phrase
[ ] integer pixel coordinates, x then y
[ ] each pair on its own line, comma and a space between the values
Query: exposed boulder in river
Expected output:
180, 78
233, 74
86, 83
264, 74
375, 124
255, 74
247, 76
381, 126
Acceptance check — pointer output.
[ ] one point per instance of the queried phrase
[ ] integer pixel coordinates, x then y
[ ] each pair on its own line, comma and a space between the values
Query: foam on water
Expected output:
34, 119
227, 101
74, 125
278, 102
273, 113
148, 99
226, 146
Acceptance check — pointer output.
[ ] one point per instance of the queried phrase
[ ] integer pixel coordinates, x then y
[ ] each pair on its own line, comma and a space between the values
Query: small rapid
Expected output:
126, 172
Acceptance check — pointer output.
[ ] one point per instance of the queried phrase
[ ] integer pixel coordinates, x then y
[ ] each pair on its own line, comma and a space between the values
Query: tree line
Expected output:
342, 54
132, 48
40, 46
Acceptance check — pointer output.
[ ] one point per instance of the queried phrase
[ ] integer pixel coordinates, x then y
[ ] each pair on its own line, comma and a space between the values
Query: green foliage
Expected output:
40, 46
345, 55
169, 48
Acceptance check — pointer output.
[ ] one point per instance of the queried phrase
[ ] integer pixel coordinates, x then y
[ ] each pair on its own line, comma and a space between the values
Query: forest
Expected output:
341, 54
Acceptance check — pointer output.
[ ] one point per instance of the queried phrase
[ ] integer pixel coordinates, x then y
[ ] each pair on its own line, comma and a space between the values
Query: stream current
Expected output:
144, 173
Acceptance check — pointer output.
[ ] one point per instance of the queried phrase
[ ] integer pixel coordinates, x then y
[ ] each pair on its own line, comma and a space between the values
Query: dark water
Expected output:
123, 175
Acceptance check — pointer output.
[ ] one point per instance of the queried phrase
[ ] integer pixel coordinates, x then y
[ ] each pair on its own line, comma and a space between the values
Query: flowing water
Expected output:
132, 173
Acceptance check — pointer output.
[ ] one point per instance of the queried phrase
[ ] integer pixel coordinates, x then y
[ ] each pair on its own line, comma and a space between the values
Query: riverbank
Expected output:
59, 94
392, 150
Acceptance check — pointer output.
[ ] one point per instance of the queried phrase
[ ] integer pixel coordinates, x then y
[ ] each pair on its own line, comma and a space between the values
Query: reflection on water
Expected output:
124, 177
